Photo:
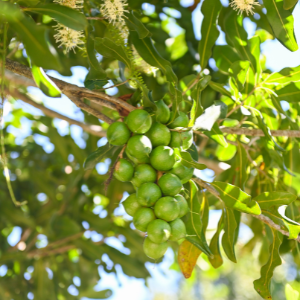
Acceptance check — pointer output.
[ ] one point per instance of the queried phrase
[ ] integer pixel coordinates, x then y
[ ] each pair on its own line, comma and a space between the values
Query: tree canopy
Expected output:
242, 118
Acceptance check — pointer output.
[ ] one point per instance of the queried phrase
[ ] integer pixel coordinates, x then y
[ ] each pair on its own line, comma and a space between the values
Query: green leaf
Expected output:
228, 238
196, 91
109, 49
96, 78
254, 46
194, 225
194, 152
224, 56
269, 199
217, 135
262, 285
217, 260
289, 93
188, 161
133, 23
106, 151
210, 116
242, 166
236, 37
290, 293
209, 31
282, 23
33, 36
219, 88
235, 198
148, 52
204, 212
288, 4
176, 99
47, 86
266, 130
62, 14
238, 70
286, 75
91, 293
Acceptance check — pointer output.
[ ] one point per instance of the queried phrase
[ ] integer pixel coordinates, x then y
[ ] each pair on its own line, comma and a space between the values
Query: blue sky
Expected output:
162, 279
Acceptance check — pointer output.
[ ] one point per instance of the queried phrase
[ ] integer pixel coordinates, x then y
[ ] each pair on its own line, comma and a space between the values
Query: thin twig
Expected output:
111, 172
110, 87
67, 88
192, 84
259, 132
92, 129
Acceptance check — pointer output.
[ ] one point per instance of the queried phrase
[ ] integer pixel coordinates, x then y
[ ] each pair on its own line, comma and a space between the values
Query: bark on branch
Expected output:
260, 217
92, 129
71, 89
259, 132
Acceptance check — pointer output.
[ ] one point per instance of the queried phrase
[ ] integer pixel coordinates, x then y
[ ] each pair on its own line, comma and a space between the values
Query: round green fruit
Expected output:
142, 218
131, 205
139, 148
181, 121
183, 206
159, 135
182, 172
118, 134
139, 121
153, 250
162, 158
182, 140
162, 112
167, 208
178, 230
148, 193
170, 184
143, 173
124, 170
158, 231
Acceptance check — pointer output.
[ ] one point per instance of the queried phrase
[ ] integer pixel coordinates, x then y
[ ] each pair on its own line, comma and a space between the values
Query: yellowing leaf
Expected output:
187, 258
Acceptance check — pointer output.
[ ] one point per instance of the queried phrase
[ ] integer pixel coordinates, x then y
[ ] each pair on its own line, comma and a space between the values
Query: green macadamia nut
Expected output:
170, 184
162, 158
159, 135
158, 231
142, 218
143, 173
178, 230
167, 209
124, 170
139, 121
153, 250
131, 205
118, 134
148, 193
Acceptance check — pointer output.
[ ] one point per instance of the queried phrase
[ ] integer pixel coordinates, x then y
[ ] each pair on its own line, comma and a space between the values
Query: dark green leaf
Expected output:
254, 46
290, 92
133, 23
238, 70
91, 293
96, 78
33, 36
235, 198
242, 166
224, 56
62, 14
268, 199
194, 224
236, 36
148, 52
217, 260
230, 226
282, 23
101, 153
209, 31
219, 88
109, 49
188, 161
262, 285
288, 4
47, 86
